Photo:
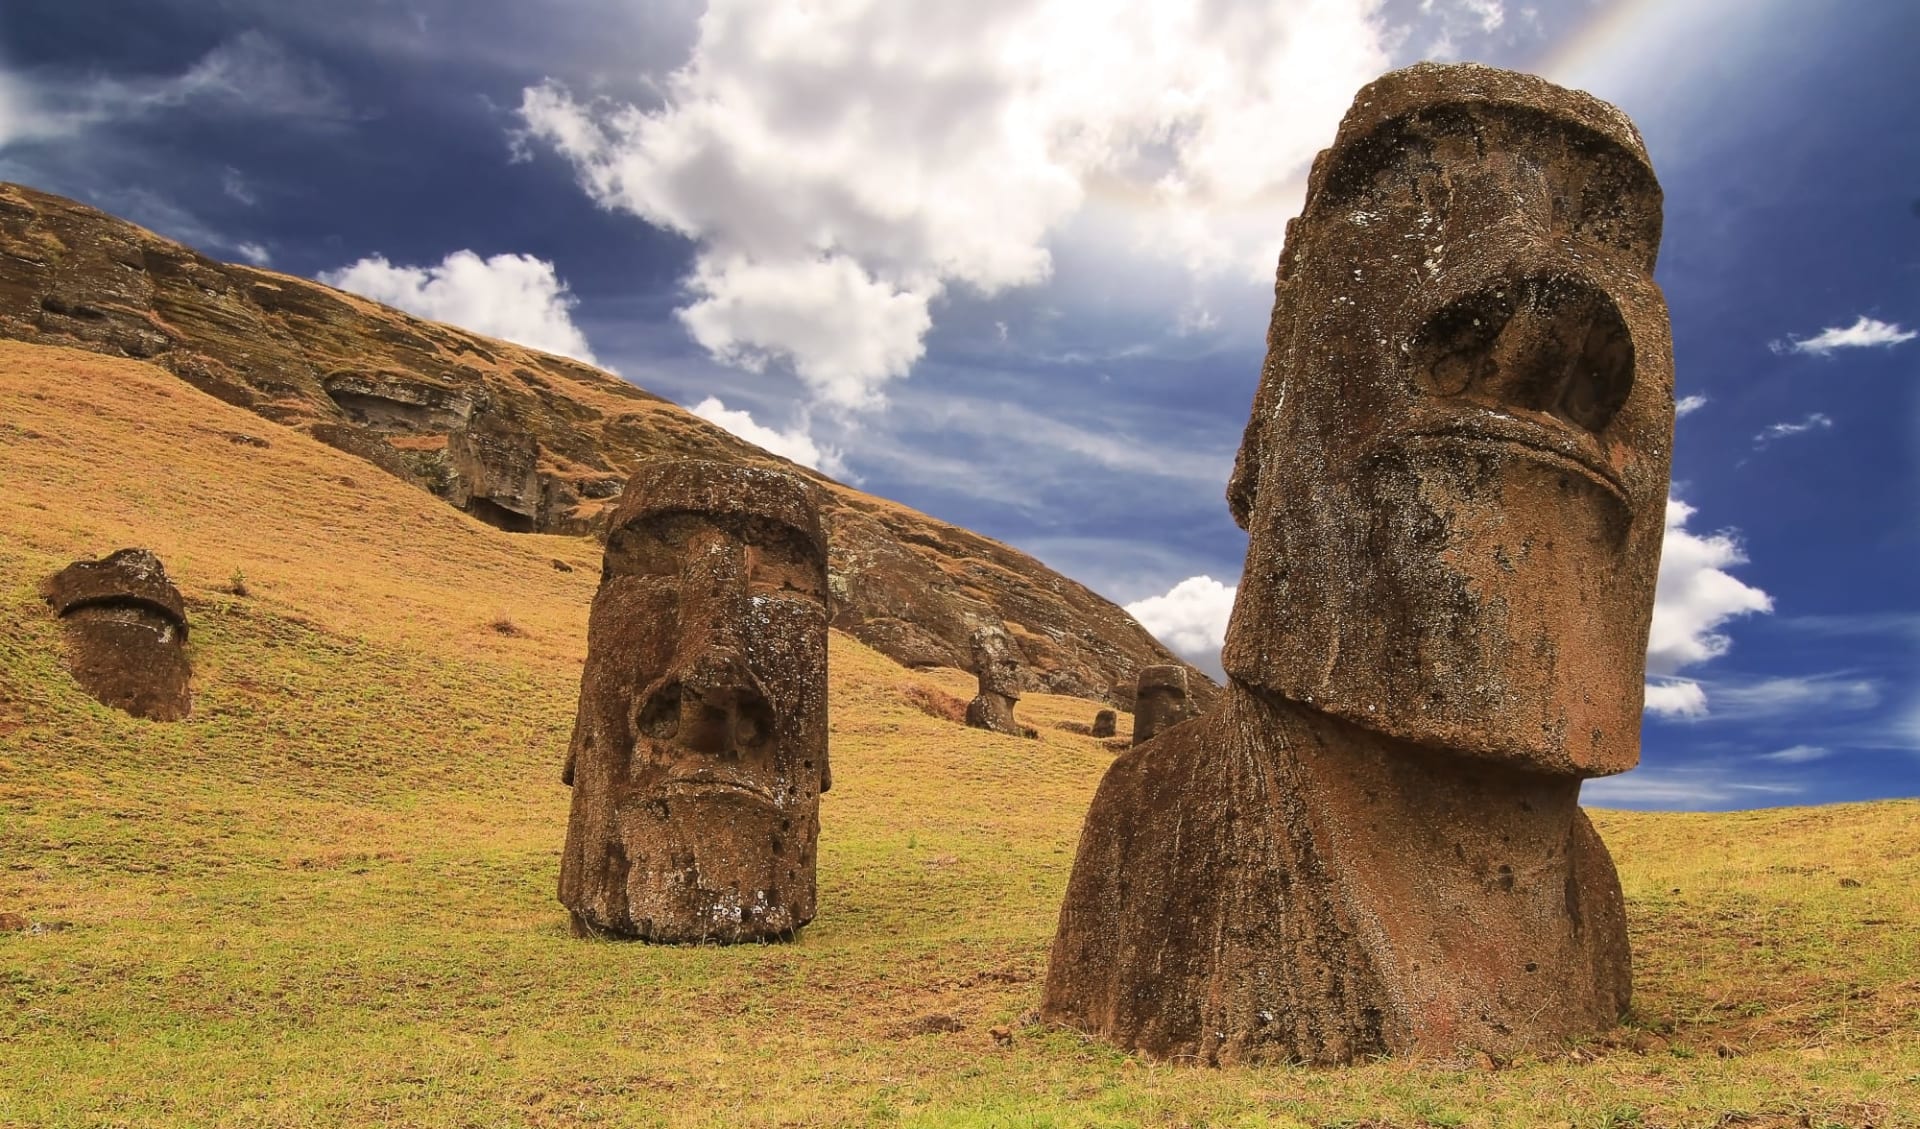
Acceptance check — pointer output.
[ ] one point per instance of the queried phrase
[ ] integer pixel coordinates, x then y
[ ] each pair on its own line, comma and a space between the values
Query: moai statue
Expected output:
127, 633
1453, 483
699, 750
1103, 723
999, 672
1159, 701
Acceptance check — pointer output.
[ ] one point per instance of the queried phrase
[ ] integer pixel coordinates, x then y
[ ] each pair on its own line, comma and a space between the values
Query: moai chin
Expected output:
126, 631
998, 669
699, 751
1159, 701
1453, 482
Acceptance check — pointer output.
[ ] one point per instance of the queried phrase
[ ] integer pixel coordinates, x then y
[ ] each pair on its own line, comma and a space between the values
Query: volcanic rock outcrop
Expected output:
126, 633
1453, 483
1159, 701
700, 748
520, 439
999, 671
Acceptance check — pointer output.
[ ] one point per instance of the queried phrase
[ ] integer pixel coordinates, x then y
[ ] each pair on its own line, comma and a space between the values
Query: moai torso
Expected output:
1159, 701
700, 748
1453, 482
126, 633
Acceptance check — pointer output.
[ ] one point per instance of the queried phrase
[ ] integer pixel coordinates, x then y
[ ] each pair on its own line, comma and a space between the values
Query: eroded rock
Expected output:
699, 751
1159, 701
126, 633
1453, 482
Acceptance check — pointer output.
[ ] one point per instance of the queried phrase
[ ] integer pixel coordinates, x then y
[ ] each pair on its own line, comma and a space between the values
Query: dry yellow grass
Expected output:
327, 897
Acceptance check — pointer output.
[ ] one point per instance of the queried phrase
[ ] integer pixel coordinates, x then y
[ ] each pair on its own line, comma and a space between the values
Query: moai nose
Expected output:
716, 707
1550, 345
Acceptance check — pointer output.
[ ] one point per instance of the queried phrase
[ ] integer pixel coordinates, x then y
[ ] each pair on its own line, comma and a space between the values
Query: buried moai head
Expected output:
1104, 723
127, 633
998, 668
700, 748
1159, 701
1456, 468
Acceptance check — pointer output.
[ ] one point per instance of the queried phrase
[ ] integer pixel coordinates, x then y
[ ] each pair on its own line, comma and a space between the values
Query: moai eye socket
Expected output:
752, 727
660, 718
780, 560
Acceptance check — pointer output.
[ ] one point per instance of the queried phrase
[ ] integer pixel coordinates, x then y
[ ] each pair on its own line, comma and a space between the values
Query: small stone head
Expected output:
1160, 701
995, 662
700, 749
127, 633
1455, 474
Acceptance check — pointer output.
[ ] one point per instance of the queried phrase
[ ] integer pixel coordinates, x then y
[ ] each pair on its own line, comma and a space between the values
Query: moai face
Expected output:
127, 633
995, 663
1455, 474
700, 750
1160, 702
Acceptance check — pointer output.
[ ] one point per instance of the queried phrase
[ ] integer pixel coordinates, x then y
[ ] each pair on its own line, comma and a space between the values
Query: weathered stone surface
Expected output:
126, 633
1453, 481
521, 439
998, 668
1160, 701
1104, 723
700, 748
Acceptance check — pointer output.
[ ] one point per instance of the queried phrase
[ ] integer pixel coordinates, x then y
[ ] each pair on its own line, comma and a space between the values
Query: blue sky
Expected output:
1012, 267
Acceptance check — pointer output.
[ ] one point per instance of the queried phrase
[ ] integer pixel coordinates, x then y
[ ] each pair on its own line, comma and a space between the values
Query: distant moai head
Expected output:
127, 633
1103, 723
700, 749
1455, 473
995, 662
1160, 702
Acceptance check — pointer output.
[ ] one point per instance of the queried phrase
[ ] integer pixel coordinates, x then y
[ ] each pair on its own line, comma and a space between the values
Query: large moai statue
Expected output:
1453, 483
998, 669
126, 631
700, 748
1159, 701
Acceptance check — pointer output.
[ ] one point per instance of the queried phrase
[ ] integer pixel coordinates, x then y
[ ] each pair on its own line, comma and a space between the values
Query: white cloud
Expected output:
1676, 697
1702, 786
1798, 754
793, 444
843, 166
1864, 333
1695, 596
1815, 421
1797, 694
235, 185
255, 253
1191, 618
1687, 405
515, 297
250, 74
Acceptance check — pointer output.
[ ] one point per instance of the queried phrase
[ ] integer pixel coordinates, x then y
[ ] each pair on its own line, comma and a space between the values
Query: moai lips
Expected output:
1453, 483
700, 748
1160, 701
998, 669
127, 633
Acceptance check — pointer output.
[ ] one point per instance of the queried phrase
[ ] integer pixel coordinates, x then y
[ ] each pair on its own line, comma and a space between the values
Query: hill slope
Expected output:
524, 440
327, 897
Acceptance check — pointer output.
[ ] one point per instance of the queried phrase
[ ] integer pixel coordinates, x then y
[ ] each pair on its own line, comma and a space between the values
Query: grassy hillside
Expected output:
327, 898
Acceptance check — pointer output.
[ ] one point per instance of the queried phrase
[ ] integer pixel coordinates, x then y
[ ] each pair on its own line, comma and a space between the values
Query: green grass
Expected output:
327, 897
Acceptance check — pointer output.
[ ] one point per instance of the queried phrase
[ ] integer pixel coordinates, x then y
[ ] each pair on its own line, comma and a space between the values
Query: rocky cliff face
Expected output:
523, 440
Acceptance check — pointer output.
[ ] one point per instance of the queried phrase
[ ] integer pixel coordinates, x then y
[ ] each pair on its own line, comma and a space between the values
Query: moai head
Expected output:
995, 663
127, 633
700, 750
1103, 723
1455, 474
1160, 702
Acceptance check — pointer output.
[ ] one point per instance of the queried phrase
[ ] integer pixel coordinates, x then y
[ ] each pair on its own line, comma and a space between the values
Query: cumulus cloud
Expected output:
1191, 618
842, 167
1687, 405
1815, 421
1676, 698
515, 297
793, 444
1864, 333
255, 253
